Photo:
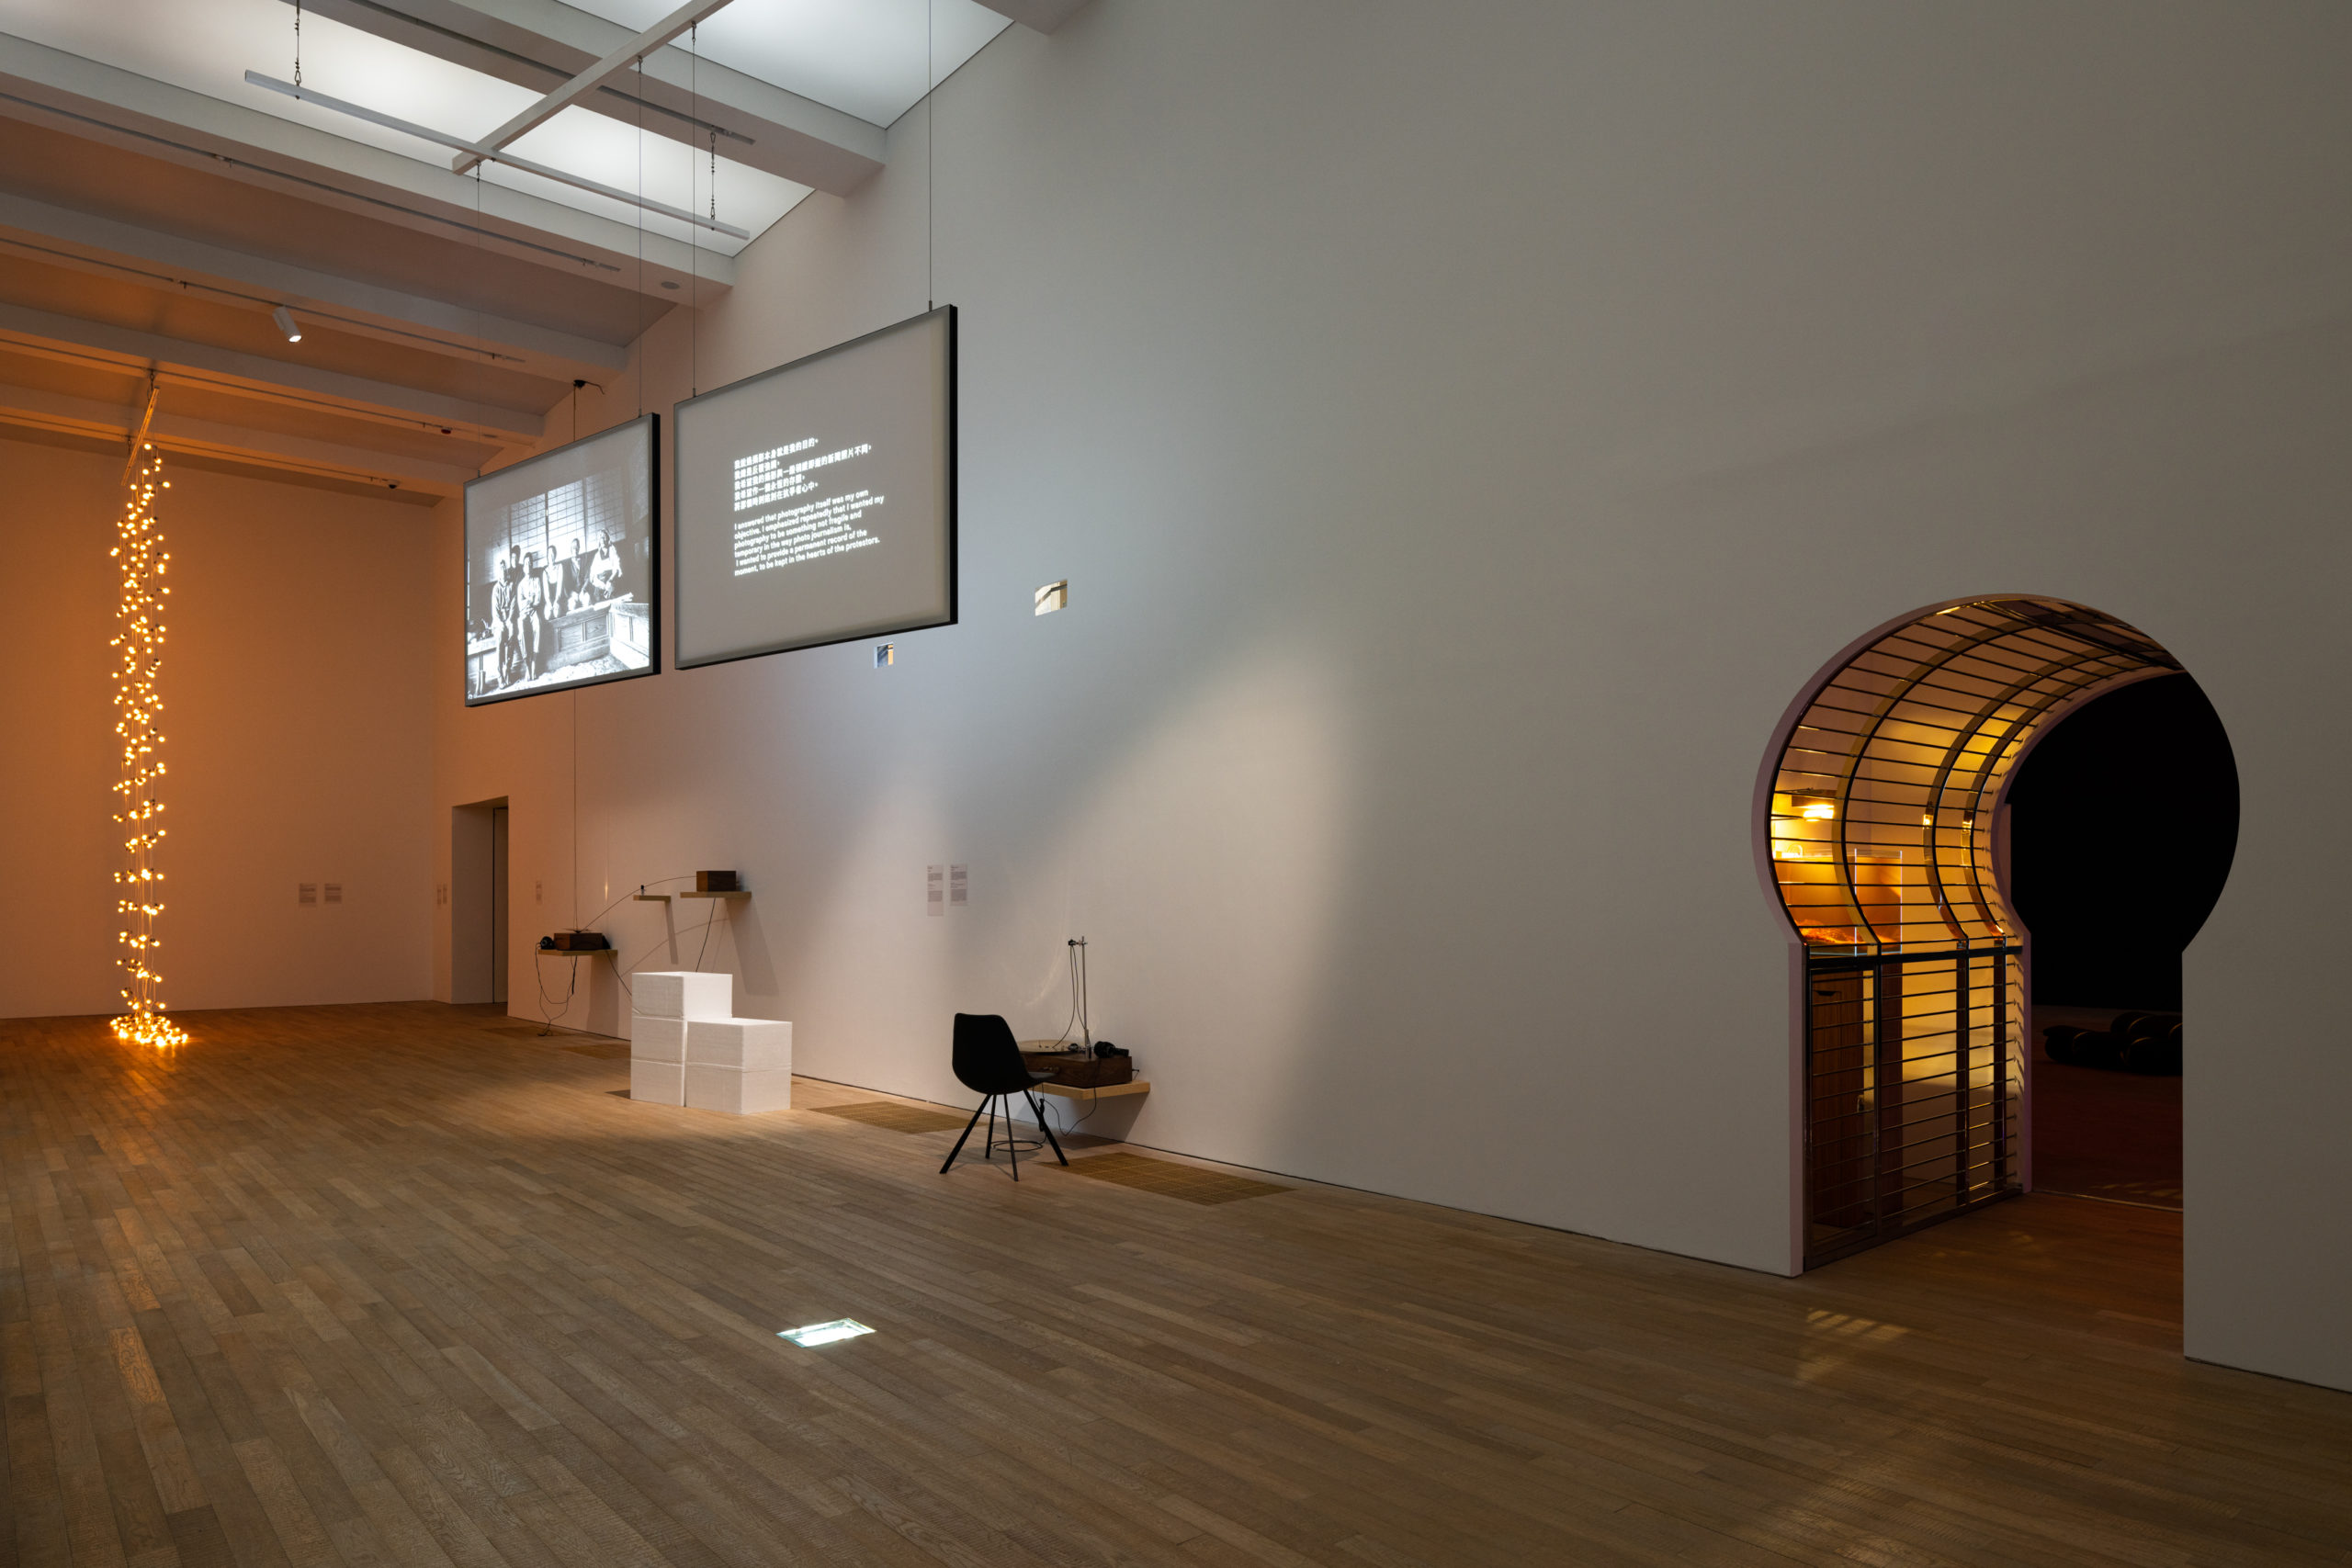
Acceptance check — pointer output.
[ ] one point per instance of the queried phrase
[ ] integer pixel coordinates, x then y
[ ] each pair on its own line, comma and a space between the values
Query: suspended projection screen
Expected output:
560, 568
817, 501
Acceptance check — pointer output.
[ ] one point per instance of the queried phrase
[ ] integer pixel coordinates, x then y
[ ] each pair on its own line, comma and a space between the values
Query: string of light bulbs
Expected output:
138, 705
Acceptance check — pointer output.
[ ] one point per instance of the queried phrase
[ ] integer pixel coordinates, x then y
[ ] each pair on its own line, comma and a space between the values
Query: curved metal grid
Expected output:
1882, 829
1882, 851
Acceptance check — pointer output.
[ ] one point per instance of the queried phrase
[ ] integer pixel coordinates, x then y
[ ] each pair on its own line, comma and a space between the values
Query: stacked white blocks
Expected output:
686, 1049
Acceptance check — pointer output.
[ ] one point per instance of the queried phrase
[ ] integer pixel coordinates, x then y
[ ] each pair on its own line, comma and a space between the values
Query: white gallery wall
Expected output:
1464, 429
299, 726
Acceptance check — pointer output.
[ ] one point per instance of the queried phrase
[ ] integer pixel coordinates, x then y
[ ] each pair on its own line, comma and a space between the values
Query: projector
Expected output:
576, 942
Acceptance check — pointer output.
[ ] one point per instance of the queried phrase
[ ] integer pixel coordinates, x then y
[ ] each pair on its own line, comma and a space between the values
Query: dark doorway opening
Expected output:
498, 905
2122, 824
478, 902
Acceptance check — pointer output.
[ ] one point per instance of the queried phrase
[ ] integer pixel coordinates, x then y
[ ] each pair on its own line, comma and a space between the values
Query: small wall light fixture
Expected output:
1053, 596
287, 323
885, 653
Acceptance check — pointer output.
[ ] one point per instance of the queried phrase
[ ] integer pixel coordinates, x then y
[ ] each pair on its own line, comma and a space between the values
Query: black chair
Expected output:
988, 1062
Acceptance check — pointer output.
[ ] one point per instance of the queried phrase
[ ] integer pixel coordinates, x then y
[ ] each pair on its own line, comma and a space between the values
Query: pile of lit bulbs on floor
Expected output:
139, 551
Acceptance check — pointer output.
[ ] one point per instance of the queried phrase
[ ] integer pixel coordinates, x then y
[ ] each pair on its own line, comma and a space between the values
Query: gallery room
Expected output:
1131, 781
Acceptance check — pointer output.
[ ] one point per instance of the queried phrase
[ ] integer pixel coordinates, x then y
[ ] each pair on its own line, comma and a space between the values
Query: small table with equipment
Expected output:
1076, 1077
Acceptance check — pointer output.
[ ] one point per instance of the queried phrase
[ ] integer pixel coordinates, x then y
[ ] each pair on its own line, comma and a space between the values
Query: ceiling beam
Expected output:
438, 408
103, 247
99, 102
136, 369
614, 62
1044, 15
541, 44
37, 408
482, 152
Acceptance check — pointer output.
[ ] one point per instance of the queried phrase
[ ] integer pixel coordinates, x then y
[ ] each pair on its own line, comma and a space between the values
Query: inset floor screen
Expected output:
817, 501
561, 568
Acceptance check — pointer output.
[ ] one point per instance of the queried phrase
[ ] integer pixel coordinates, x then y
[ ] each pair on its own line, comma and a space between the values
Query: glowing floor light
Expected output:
816, 1334
139, 616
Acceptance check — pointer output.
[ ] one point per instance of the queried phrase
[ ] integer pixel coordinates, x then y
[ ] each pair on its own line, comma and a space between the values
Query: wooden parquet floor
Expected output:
378, 1285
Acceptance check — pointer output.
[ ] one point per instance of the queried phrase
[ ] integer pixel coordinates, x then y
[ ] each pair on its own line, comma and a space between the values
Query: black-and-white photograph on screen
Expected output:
817, 501
561, 566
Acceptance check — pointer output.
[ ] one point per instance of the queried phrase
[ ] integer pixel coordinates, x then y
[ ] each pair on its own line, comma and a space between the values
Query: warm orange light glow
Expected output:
139, 616
1815, 807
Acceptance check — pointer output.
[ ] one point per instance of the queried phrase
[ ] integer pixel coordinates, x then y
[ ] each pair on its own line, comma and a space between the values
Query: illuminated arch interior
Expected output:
1881, 828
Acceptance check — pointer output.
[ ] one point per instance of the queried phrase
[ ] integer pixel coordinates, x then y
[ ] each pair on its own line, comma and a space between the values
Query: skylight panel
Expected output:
207, 48
862, 57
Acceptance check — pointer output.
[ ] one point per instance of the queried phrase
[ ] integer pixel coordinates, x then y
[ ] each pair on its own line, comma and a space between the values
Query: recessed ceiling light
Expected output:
286, 324
812, 1335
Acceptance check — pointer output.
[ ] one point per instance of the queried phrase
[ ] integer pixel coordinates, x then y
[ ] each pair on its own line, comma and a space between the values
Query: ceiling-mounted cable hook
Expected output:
139, 434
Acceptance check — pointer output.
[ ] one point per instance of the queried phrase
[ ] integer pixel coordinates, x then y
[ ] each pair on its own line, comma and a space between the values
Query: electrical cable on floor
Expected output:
1093, 1103
539, 977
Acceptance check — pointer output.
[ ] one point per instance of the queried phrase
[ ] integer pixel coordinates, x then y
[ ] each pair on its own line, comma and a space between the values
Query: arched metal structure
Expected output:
1881, 826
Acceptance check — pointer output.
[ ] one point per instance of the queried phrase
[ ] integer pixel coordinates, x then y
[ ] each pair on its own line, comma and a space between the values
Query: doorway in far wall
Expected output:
2122, 822
478, 902
498, 905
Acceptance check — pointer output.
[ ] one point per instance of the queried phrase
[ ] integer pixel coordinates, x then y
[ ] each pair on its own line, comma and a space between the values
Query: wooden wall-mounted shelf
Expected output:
1073, 1091
737, 893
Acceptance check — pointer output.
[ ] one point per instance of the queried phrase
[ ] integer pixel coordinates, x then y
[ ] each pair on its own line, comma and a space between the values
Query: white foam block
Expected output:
656, 1039
753, 1044
733, 1089
682, 993
657, 1083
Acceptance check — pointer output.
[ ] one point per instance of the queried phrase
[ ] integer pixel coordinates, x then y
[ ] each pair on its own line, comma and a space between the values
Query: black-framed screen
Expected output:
563, 567
816, 503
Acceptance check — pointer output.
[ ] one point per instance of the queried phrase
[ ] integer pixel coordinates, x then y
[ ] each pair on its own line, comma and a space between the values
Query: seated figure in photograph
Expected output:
575, 576
604, 571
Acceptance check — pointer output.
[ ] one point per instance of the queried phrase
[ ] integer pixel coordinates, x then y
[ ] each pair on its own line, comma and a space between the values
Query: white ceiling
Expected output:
872, 59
